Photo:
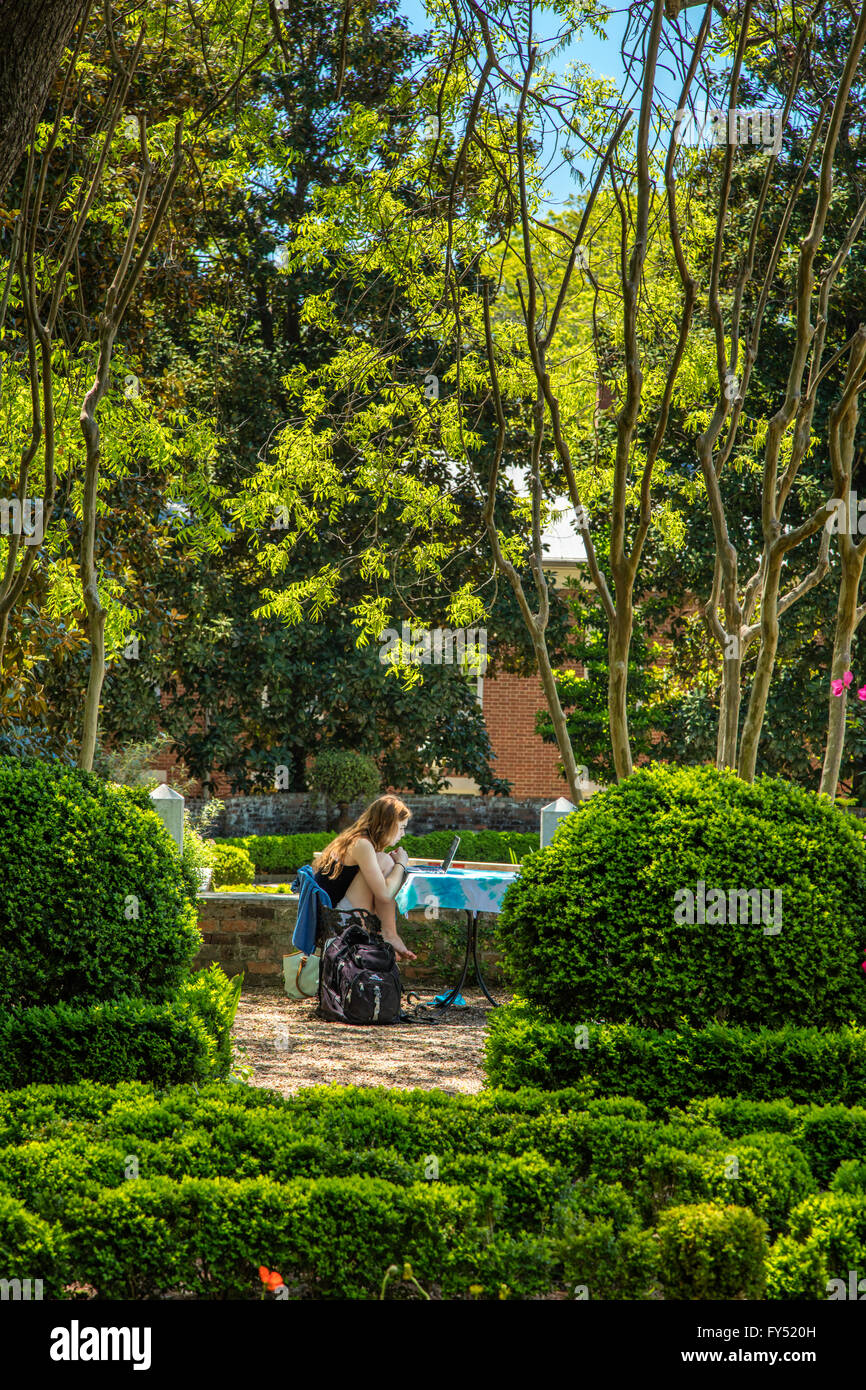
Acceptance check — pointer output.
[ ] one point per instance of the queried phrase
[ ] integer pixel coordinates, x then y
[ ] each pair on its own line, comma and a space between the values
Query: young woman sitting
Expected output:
358, 873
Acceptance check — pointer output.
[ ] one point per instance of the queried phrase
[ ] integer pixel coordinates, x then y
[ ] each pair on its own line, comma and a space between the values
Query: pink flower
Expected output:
838, 686
861, 693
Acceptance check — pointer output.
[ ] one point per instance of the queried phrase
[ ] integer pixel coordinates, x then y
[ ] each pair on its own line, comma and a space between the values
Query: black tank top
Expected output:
337, 886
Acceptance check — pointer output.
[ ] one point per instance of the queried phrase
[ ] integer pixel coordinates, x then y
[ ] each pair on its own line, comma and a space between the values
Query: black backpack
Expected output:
358, 979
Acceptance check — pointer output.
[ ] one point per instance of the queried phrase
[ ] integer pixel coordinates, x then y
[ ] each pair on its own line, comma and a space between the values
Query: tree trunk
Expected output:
560, 724
844, 418
33, 35
117, 298
763, 670
89, 575
618, 643
729, 710
846, 615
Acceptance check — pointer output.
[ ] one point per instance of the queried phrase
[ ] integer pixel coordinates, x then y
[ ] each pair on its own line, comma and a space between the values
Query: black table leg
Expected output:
471, 946
479, 976
452, 994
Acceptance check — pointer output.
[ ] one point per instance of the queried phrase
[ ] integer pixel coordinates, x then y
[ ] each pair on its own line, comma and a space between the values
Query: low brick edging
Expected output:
246, 931
291, 813
251, 932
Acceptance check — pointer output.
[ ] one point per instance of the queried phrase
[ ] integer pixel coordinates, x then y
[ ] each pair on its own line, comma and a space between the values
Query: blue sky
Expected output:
603, 55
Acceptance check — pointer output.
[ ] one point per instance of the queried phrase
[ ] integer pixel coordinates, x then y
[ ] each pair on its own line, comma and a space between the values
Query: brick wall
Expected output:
510, 704
251, 932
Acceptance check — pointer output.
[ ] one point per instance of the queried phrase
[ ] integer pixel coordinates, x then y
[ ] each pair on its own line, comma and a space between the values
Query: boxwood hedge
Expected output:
588, 931
141, 1193
826, 1245
232, 864
286, 853
185, 1039
29, 1246
665, 1067
712, 1252
94, 902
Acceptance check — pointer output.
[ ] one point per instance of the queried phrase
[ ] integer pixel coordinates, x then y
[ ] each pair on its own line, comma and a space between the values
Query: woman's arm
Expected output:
384, 891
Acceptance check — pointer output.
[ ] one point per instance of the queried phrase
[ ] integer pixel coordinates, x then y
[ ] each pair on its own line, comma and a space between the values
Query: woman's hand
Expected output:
400, 857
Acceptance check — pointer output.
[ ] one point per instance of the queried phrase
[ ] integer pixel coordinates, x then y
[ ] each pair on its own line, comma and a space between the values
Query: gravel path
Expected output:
288, 1047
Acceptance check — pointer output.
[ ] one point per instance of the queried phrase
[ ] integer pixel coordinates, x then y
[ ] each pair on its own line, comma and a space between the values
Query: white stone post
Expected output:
168, 805
551, 815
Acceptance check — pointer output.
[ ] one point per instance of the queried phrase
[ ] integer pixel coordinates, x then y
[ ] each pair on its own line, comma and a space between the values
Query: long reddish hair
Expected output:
379, 823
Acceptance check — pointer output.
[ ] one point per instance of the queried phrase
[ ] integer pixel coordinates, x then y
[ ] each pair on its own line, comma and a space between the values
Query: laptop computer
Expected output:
439, 868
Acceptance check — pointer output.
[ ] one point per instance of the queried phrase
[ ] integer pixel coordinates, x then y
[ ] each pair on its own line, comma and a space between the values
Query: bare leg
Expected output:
360, 896
386, 911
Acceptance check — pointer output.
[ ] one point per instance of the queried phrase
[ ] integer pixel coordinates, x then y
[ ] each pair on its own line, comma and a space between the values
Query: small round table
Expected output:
462, 890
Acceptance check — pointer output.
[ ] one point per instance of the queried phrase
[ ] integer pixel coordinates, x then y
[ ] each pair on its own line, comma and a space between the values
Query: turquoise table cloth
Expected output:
463, 890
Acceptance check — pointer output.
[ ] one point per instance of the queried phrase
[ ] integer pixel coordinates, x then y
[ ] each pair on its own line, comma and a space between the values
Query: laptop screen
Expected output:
452, 850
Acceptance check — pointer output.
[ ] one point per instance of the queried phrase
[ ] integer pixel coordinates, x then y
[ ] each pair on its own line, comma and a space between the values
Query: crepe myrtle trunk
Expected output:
96, 614
560, 724
844, 418
618, 644
846, 622
126, 279
33, 35
763, 670
729, 710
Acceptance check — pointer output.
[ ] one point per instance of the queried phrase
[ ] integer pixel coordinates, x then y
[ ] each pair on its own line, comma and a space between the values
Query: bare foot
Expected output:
401, 950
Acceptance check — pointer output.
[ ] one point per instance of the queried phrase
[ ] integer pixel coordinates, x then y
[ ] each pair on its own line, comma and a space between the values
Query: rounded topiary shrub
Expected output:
94, 900
28, 1247
708, 1251
343, 776
232, 864
644, 907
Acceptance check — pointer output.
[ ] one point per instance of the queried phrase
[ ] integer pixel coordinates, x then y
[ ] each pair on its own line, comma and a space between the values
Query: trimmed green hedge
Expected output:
827, 1134
711, 1252
827, 1242
212, 997
231, 864
850, 1177
484, 846
281, 854
335, 1237
768, 1173
286, 853
29, 1246
95, 902
115, 1042
672, 1066
140, 1193
596, 925
600, 1244
186, 1039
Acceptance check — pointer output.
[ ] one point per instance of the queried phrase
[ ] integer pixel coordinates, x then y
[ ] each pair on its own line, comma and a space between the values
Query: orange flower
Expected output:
270, 1278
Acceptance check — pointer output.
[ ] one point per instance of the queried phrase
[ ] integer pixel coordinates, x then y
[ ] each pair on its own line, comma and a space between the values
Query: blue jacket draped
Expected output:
304, 935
